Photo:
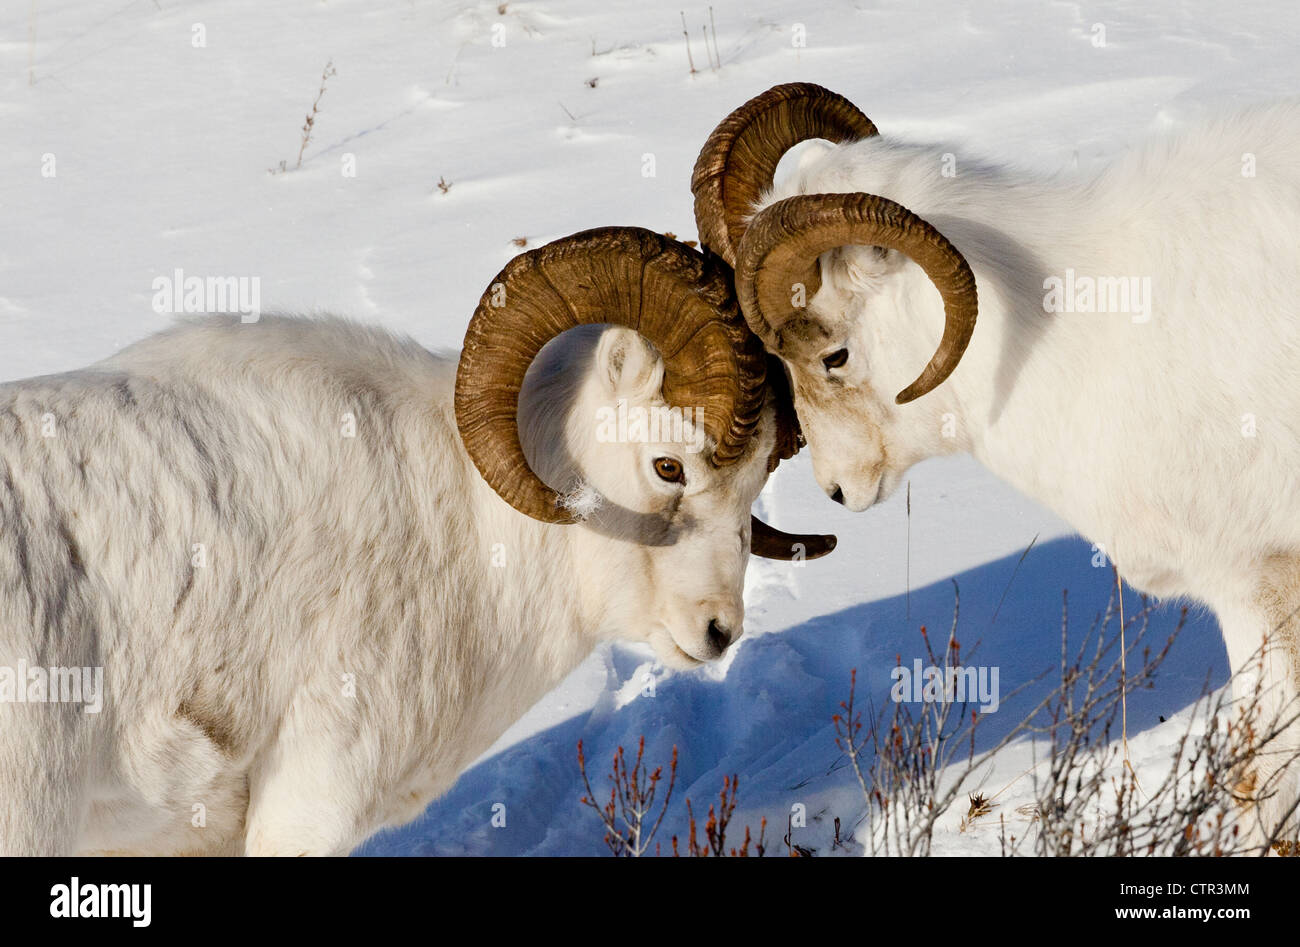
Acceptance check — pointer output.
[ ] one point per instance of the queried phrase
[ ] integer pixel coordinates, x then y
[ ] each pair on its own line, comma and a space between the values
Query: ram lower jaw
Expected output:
670, 652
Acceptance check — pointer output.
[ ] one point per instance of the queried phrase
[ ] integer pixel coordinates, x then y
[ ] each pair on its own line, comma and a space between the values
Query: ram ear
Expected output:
811, 151
628, 365
863, 266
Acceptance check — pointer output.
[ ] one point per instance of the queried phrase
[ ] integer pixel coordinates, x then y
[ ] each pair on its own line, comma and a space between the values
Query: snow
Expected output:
162, 148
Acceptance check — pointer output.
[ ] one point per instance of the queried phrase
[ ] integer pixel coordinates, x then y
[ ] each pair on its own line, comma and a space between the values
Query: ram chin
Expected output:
669, 652
888, 484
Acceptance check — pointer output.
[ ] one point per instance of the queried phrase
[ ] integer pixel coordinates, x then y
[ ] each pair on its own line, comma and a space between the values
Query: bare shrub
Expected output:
310, 122
628, 813
1085, 807
919, 760
715, 827
913, 764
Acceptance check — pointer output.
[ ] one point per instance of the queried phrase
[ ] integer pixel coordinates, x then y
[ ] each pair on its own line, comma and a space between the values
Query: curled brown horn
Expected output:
739, 159
672, 295
669, 293
778, 256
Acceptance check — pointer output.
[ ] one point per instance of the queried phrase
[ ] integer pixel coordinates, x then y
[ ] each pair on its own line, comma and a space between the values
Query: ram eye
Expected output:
670, 470
836, 359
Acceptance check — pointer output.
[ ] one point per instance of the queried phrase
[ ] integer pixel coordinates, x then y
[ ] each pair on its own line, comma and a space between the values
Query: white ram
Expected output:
1136, 365
311, 606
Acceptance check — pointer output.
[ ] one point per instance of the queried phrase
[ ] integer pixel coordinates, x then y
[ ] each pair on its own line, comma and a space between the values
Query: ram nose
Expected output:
719, 637
854, 494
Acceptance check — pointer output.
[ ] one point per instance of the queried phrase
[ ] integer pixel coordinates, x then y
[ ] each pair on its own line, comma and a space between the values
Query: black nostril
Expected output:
719, 637
838, 495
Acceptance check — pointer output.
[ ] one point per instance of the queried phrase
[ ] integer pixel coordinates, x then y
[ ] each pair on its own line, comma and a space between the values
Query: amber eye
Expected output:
836, 359
670, 470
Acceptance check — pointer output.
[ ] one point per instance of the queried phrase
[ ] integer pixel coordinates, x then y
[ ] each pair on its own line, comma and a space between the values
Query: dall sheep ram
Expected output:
323, 569
1136, 366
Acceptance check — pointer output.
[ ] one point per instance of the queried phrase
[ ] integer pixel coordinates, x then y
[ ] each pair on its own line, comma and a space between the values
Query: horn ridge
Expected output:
781, 247
678, 300
738, 160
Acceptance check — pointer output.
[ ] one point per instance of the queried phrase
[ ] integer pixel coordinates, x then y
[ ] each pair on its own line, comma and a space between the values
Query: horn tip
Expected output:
911, 393
825, 547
